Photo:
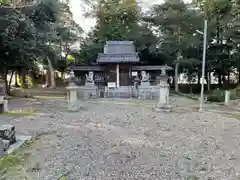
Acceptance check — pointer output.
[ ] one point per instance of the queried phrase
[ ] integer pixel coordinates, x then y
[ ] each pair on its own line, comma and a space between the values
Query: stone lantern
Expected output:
163, 104
73, 103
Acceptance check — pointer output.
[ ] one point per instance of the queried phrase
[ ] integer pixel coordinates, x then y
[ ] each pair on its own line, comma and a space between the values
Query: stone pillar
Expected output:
163, 104
117, 71
73, 103
227, 97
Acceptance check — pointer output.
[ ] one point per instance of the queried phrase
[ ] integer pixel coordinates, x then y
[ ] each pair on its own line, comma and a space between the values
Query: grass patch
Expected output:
237, 116
51, 97
21, 112
63, 178
136, 102
14, 164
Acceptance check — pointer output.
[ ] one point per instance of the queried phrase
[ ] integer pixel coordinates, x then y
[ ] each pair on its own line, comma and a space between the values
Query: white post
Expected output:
117, 71
227, 97
203, 65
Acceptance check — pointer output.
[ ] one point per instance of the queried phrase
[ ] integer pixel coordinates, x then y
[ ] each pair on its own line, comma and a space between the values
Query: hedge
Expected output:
196, 88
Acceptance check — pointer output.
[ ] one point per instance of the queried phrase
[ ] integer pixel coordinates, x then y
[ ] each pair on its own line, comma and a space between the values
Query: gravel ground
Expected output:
127, 140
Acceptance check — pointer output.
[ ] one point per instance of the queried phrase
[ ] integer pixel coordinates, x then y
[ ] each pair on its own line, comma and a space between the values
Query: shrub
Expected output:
219, 95
216, 96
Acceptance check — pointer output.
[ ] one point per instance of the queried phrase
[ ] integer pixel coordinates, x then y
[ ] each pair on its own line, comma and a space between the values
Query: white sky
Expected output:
86, 23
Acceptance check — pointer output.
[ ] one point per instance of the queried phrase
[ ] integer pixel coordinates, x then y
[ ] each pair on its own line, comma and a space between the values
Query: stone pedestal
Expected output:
145, 93
2, 147
90, 91
73, 102
3, 105
163, 104
145, 90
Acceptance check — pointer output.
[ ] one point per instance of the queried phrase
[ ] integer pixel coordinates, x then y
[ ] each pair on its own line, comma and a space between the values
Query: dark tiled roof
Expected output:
85, 68
119, 42
119, 47
117, 58
148, 67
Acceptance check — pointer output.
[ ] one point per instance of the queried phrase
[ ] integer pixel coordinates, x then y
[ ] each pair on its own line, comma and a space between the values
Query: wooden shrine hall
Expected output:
119, 64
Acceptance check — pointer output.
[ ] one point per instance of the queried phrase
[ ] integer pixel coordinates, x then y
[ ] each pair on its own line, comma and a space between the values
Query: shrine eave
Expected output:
150, 68
118, 58
85, 68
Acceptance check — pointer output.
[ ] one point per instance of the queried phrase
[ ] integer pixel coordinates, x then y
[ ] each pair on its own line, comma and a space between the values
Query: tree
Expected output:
218, 14
116, 20
30, 35
177, 22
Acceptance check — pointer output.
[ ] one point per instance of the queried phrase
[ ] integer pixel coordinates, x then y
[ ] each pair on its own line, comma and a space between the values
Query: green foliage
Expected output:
40, 33
29, 81
117, 20
31, 35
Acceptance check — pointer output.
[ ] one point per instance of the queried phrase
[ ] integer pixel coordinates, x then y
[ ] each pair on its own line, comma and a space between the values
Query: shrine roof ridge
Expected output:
119, 42
117, 54
118, 58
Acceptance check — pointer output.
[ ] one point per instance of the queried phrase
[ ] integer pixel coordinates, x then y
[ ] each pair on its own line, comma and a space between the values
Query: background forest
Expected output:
34, 33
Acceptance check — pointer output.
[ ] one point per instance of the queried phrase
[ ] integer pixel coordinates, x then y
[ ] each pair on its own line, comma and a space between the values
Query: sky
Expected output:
87, 23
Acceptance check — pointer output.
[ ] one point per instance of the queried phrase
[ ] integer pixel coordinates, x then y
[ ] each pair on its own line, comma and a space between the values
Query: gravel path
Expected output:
126, 140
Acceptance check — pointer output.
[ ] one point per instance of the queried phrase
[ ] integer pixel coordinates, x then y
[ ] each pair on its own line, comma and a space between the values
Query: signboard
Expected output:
134, 73
111, 85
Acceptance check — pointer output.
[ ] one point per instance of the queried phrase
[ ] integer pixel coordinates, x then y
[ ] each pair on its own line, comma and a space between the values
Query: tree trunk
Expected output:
209, 82
219, 81
62, 75
238, 75
52, 74
224, 82
199, 78
23, 77
176, 77
228, 79
6, 82
10, 81
16, 77
47, 83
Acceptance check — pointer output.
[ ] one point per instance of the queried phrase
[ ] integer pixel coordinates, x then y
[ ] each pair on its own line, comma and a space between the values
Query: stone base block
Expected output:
120, 92
3, 106
90, 92
162, 108
1, 147
145, 93
6, 144
73, 106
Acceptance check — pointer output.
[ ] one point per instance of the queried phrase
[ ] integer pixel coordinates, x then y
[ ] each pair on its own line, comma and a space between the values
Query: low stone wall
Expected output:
121, 92
151, 92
